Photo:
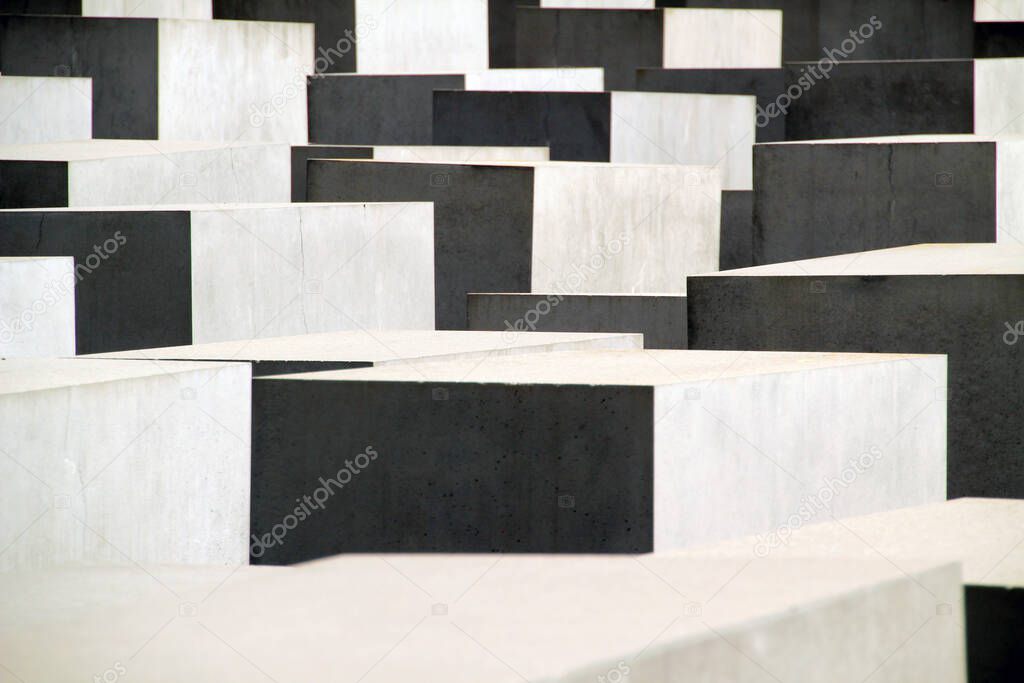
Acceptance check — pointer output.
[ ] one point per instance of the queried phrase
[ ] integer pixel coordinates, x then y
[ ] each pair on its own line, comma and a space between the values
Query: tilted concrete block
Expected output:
541, 226
196, 274
37, 307
588, 451
123, 462
958, 299
138, 172
37, 109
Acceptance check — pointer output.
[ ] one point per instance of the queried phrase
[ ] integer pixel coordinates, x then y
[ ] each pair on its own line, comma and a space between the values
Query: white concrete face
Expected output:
234, 80
599, 4
470, 618
999, 10
999, 97
855, 439
161, 9
123, 462
601, 228
37, 307
722, 39
458, 154
416, 37
538, 80
266, 272
44, 109
677, 128
1009, 194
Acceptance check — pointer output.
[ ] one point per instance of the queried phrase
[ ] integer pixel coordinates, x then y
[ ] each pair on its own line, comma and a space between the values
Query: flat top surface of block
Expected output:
620, 368
908, 139
85, 150
209, 208
695, 168
378, 347
985, 534
918, 259
21, 375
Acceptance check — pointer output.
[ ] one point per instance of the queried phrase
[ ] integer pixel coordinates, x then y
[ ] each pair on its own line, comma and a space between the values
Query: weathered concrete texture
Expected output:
164, 9
737, 245
501, 29
660, 318
37, 307
864, 99
982, 535
134, 172
234, 271
994, 40
359, 348
37, 109
123, 462
722, 39
559, 619
41, 7
818, 199
999, 10
960, 300
999, 97
622, 127
588, 451
564, 79
765, 84
507, 227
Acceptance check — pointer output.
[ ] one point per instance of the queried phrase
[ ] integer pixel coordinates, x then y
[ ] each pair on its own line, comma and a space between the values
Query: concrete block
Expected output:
123, 462
173, 79
501, 27
999, 10
737, 245
998, 40
34, 110
960, 300
622, 127
588, 451
823, 198
983, 535
509, 228
565, 79
162, 9
560, 619
998, 99
138, 172
37, 307
622, 40
661, 318
364, 349
235, 271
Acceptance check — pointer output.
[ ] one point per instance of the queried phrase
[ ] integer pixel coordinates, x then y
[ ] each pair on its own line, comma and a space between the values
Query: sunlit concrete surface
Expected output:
743, 39
37, 307
44, 109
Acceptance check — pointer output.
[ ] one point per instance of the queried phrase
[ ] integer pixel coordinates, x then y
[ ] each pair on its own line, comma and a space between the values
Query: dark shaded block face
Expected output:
661, 319
120, 55
483, 221
995, 621
501, 31
33, 184
335, 22
736, 242
41, 7
765, 84
880, 98
621, 41
575, 126
824, 199
301, 154
999, 39
963, 316
375, 110
134, 272
458, 468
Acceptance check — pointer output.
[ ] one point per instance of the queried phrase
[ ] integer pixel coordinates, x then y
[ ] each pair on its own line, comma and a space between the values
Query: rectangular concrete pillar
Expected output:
507, 227
123, 462
589, 451
37, 307
37, 109
234, 271
960, 300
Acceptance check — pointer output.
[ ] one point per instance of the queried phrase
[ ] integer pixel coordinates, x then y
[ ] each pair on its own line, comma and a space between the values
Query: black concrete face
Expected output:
621, 41
301, 154
661, 318
823, 199
33, 184
736, 241
575, 125
459, 467
41, 7
995, 621
375, 110
119, 54
867, 99
766, 84
134, 272
963, 316
483, 221
501, 30
999, 39
335, 22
